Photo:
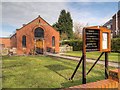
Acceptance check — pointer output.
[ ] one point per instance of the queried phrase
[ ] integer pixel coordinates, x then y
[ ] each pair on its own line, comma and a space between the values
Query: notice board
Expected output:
92, 40
97, 39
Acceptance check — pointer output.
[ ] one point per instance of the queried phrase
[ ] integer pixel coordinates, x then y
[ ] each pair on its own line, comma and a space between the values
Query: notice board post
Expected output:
84, 59
106, 65
95, 38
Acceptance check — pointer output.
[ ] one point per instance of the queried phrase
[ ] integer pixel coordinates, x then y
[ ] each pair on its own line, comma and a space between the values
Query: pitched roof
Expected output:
5, 37
34, 20
12, 35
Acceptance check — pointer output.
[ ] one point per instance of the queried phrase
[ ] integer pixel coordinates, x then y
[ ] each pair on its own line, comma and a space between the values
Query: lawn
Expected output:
94, 55
44, 72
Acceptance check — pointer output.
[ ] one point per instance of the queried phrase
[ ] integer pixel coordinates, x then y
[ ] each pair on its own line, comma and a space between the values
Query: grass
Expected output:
44, 72
94, 55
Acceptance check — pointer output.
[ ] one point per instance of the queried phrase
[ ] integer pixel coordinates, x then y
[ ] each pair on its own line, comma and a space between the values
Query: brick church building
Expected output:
37, 36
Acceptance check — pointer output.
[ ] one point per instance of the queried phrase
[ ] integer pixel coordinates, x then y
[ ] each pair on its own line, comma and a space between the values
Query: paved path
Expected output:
88, 60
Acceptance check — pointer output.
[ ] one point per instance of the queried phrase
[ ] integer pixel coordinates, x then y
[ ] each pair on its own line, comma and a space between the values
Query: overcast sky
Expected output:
14, 14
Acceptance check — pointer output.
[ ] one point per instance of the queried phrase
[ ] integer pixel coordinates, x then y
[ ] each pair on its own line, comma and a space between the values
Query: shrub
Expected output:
76, 44
115, 44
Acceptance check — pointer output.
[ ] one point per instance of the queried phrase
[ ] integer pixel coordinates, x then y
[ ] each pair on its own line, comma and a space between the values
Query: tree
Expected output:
64, 36
55, 25
78, 27
70, 26
64, 24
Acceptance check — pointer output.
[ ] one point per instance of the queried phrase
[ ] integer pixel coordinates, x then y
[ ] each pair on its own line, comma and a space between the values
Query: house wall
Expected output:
5, 41
119, 21
13, 41
114, 24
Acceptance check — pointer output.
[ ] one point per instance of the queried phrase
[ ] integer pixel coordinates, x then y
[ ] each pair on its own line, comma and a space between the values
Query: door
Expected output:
39, 46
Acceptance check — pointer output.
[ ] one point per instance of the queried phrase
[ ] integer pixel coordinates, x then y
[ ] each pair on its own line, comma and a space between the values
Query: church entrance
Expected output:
39, 46
39, 38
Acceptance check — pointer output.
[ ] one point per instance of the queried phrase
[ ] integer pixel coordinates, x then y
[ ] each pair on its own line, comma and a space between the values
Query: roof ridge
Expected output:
34, 20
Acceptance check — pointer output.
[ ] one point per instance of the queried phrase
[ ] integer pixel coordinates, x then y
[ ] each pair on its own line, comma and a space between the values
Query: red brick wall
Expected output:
28, 31
13, 41
102, 84
5, 41
111, 83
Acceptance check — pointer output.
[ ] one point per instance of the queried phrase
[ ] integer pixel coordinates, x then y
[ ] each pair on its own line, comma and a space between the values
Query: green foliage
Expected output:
115, 44
116, 36
64, 24
77, 44
55, 25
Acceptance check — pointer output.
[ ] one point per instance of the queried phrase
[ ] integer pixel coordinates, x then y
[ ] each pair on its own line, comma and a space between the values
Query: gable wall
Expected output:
28, 31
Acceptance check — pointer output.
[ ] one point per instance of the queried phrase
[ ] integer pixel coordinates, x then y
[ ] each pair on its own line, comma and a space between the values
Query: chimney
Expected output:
24, 24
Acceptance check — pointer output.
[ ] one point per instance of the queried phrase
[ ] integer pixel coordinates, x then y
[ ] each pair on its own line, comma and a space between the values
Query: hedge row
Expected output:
77, 44
115, 45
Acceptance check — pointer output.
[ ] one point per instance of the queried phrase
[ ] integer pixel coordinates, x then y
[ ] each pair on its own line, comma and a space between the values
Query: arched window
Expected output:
53, 41
39, 33
24, 41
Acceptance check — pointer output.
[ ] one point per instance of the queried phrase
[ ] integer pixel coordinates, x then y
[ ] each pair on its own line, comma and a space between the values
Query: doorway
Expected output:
39, 37
39, 46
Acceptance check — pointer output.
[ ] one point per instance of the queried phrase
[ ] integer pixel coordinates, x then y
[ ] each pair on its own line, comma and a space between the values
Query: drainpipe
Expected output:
116, 24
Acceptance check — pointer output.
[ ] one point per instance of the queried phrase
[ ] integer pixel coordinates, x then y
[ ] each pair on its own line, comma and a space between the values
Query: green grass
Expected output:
94, 55
44, 72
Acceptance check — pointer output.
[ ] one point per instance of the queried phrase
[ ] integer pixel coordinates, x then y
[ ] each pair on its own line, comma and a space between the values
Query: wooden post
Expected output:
76, 68
84, 69
106, 65
84, 59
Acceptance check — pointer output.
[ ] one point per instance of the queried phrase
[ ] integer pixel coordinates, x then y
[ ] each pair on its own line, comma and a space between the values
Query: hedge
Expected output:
115, 44
77, 44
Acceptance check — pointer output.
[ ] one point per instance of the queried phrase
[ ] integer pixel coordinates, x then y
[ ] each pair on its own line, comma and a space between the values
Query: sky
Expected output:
15, 14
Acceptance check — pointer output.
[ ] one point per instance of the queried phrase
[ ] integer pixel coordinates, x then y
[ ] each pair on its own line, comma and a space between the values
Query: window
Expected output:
39, 33
53, 41
24, 41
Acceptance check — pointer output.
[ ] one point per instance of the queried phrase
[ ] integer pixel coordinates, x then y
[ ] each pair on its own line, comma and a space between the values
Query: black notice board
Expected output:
92, 40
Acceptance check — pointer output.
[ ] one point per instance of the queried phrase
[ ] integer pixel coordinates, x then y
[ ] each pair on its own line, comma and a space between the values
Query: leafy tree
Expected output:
55, 25
64, 24
78, 28
64, 36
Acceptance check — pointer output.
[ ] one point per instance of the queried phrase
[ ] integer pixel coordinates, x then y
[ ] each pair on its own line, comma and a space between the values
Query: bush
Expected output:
76, 44
115, 44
